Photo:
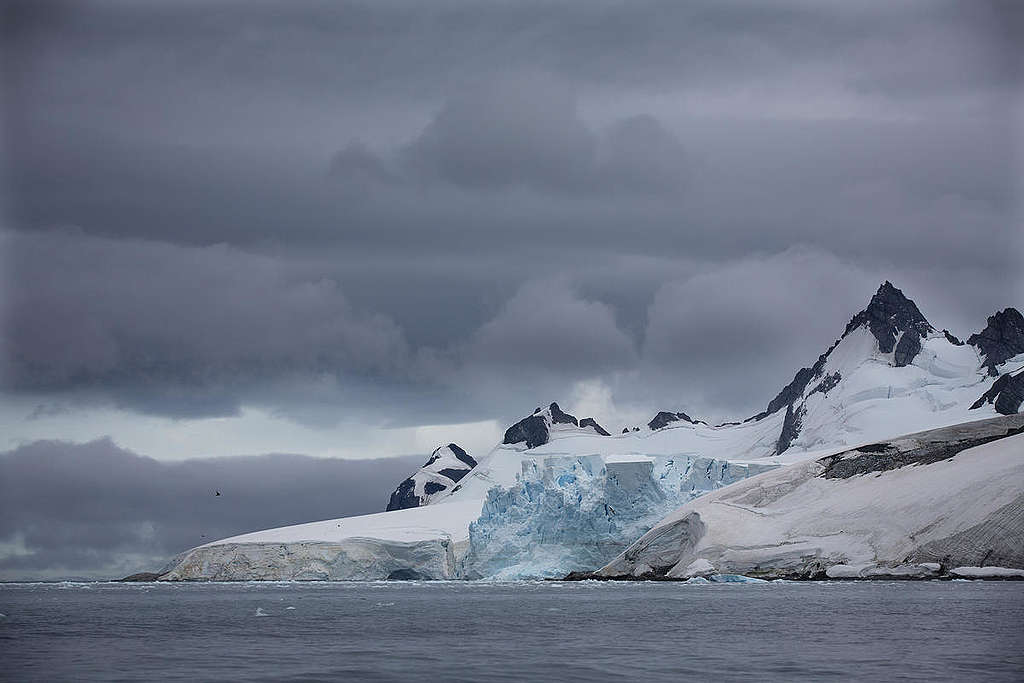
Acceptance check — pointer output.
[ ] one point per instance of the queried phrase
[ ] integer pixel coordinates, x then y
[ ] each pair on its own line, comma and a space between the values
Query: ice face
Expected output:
577, 513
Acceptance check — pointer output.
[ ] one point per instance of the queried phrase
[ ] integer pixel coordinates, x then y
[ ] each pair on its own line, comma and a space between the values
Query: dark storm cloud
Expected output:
98, 510
525, 132
159, 319
383, 194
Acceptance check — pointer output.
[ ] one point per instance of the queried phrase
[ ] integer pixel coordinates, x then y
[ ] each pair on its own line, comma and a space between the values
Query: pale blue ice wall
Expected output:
578, 513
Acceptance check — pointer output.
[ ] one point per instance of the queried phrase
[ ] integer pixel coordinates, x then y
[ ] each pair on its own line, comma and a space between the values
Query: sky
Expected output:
360, 230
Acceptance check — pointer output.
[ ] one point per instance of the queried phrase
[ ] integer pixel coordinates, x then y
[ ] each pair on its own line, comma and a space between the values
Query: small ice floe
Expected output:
261, 613
987, 573
289, 607
385, 604
734, 578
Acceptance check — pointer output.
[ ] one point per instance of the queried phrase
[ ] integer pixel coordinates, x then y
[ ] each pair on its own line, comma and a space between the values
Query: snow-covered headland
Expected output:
946, 501
561, 494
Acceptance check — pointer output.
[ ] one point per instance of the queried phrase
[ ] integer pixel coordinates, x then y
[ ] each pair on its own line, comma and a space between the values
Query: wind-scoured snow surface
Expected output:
952, 497
559, 494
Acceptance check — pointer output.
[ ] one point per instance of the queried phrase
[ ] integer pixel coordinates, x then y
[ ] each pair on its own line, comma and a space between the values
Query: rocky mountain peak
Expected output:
1002, 338
445, 467
534, 430
888, 315
664, 418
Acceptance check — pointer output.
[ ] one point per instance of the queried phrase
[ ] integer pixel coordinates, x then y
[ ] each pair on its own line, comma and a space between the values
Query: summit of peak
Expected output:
889, 314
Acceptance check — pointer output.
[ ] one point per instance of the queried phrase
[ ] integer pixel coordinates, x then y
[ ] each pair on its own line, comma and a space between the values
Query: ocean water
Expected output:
404, 631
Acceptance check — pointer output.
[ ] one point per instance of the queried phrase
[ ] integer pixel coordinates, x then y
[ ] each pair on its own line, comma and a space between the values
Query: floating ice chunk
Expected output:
987, 573
697, 579
261, 613
289, 607
924, 570
734, 578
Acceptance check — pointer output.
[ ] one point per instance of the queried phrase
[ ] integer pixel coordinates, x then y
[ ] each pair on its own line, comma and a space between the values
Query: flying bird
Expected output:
217, 494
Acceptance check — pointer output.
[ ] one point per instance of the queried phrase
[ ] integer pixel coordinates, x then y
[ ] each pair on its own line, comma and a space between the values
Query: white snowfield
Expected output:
417, 542
960, 512
598, 488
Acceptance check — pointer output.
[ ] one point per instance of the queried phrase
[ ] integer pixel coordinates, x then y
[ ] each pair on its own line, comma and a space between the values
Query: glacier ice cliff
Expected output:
576, 513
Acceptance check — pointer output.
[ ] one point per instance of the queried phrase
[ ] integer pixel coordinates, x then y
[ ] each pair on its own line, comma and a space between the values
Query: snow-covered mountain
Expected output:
890, 373
447, 465
916, 506
561, 494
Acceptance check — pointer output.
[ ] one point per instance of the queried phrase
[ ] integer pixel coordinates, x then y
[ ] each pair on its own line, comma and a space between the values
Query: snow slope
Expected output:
425, 542
932, 498
446, 466
539, 499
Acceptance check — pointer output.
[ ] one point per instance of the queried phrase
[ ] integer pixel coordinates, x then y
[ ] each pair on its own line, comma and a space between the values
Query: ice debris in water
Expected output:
289, 607
571, 513
261, 613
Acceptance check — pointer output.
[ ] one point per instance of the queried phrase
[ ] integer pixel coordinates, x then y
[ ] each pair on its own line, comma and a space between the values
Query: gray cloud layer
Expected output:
96, 510
454, 211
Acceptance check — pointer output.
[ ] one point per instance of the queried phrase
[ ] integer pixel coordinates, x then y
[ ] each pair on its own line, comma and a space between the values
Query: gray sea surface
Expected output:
543, 631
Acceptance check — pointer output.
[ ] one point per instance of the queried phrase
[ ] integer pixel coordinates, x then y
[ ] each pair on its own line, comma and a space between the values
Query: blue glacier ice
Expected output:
576, 513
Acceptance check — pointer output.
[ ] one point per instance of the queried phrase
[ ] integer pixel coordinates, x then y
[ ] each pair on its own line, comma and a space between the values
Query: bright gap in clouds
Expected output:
254, 431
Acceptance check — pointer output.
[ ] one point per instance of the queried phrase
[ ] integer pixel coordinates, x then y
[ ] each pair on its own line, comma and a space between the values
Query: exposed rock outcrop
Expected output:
888, 314
907, 348
1006, 394
445, 467
592, 423
534, 430
1002, 338
790, 428
663, 419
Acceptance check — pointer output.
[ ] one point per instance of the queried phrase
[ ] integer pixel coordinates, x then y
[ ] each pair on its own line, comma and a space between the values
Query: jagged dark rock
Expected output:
625, 430
790, 428
532, 430
591, 422
884, 456
664, 418
907, 348
462, 455
433, 487
404, 496
888, 314
559, 417
454, 475
636, 429
793, 391
1002, 338
952, 339
1006, 394
828, 383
